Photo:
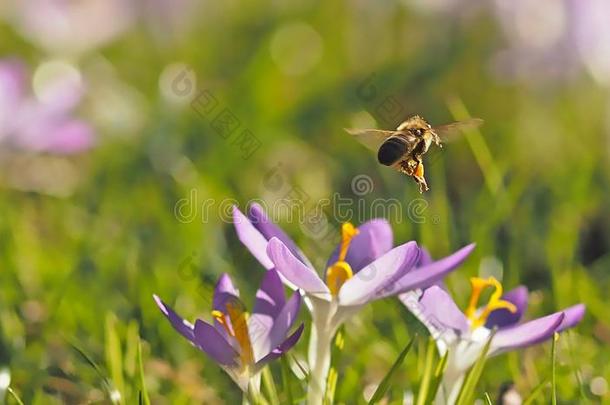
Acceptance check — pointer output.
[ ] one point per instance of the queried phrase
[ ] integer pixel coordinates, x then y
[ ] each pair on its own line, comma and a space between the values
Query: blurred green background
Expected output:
87, 238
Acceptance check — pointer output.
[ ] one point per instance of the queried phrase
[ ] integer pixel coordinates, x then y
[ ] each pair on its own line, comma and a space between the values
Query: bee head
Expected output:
416, 125
418, 132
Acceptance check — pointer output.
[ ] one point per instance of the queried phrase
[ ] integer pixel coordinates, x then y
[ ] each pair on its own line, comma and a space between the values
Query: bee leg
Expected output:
418, 175
408, 167
437, 140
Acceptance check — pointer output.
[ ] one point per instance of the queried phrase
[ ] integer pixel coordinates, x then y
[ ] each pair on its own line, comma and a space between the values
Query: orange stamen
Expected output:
478, 318
341, 271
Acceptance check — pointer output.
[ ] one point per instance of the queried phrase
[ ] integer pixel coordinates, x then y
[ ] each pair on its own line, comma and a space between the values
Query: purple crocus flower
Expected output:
464, 334
242, 345
363, 268
553, 39
32, 124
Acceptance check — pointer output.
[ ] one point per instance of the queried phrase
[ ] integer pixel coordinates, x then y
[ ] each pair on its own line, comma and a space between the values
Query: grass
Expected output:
531, 189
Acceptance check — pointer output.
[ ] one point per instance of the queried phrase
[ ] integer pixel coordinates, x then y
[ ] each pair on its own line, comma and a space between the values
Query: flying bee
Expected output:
404, 148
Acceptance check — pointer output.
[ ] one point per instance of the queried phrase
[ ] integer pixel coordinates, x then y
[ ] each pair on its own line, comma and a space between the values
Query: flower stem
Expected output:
319, 362
451, 386
253, 394
553, 369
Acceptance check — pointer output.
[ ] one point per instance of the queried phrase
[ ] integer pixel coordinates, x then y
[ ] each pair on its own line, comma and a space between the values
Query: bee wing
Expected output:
449, 132
433, 156
372, 138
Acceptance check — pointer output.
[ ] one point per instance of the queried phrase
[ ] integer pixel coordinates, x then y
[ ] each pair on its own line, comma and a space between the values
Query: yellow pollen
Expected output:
419, 171
478, 318
220, 317
237, 329
337, 275
341, 271
348, 231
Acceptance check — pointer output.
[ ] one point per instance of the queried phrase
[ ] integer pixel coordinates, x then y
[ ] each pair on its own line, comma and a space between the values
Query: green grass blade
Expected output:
269, 386
487, 399
15, 396
286, 380
554, 369
385, 383
331, 386
333, 374
480, 150
298, 364
132, 340
577, 375
144, 399
467, 393
424, 387
106, 382
254, 396
535, 393
438, 377
114, 358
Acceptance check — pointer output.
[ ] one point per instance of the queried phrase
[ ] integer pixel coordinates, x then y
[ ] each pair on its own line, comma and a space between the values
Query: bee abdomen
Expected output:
391, 151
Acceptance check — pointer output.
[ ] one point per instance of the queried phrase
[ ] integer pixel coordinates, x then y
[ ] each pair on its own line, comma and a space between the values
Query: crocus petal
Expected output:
224, 291
503, 317
526, 334
259, 326
266, 332
252, 238
270, 306
424, 257
270, 296
437, 311
183, 327
285, 320
374, 239
260, 220
294, 270
573, 315
373, 280
427, 275
214, 344
282, 348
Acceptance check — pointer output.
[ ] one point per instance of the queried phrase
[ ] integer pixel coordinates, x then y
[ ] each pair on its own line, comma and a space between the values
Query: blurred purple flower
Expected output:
545, 39
169, 18
40, 124
72, 27
591, 35
554, 38
464, 335
239, 343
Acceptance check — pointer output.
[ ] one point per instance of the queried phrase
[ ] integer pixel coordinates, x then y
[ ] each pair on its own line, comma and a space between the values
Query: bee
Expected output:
404, 148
